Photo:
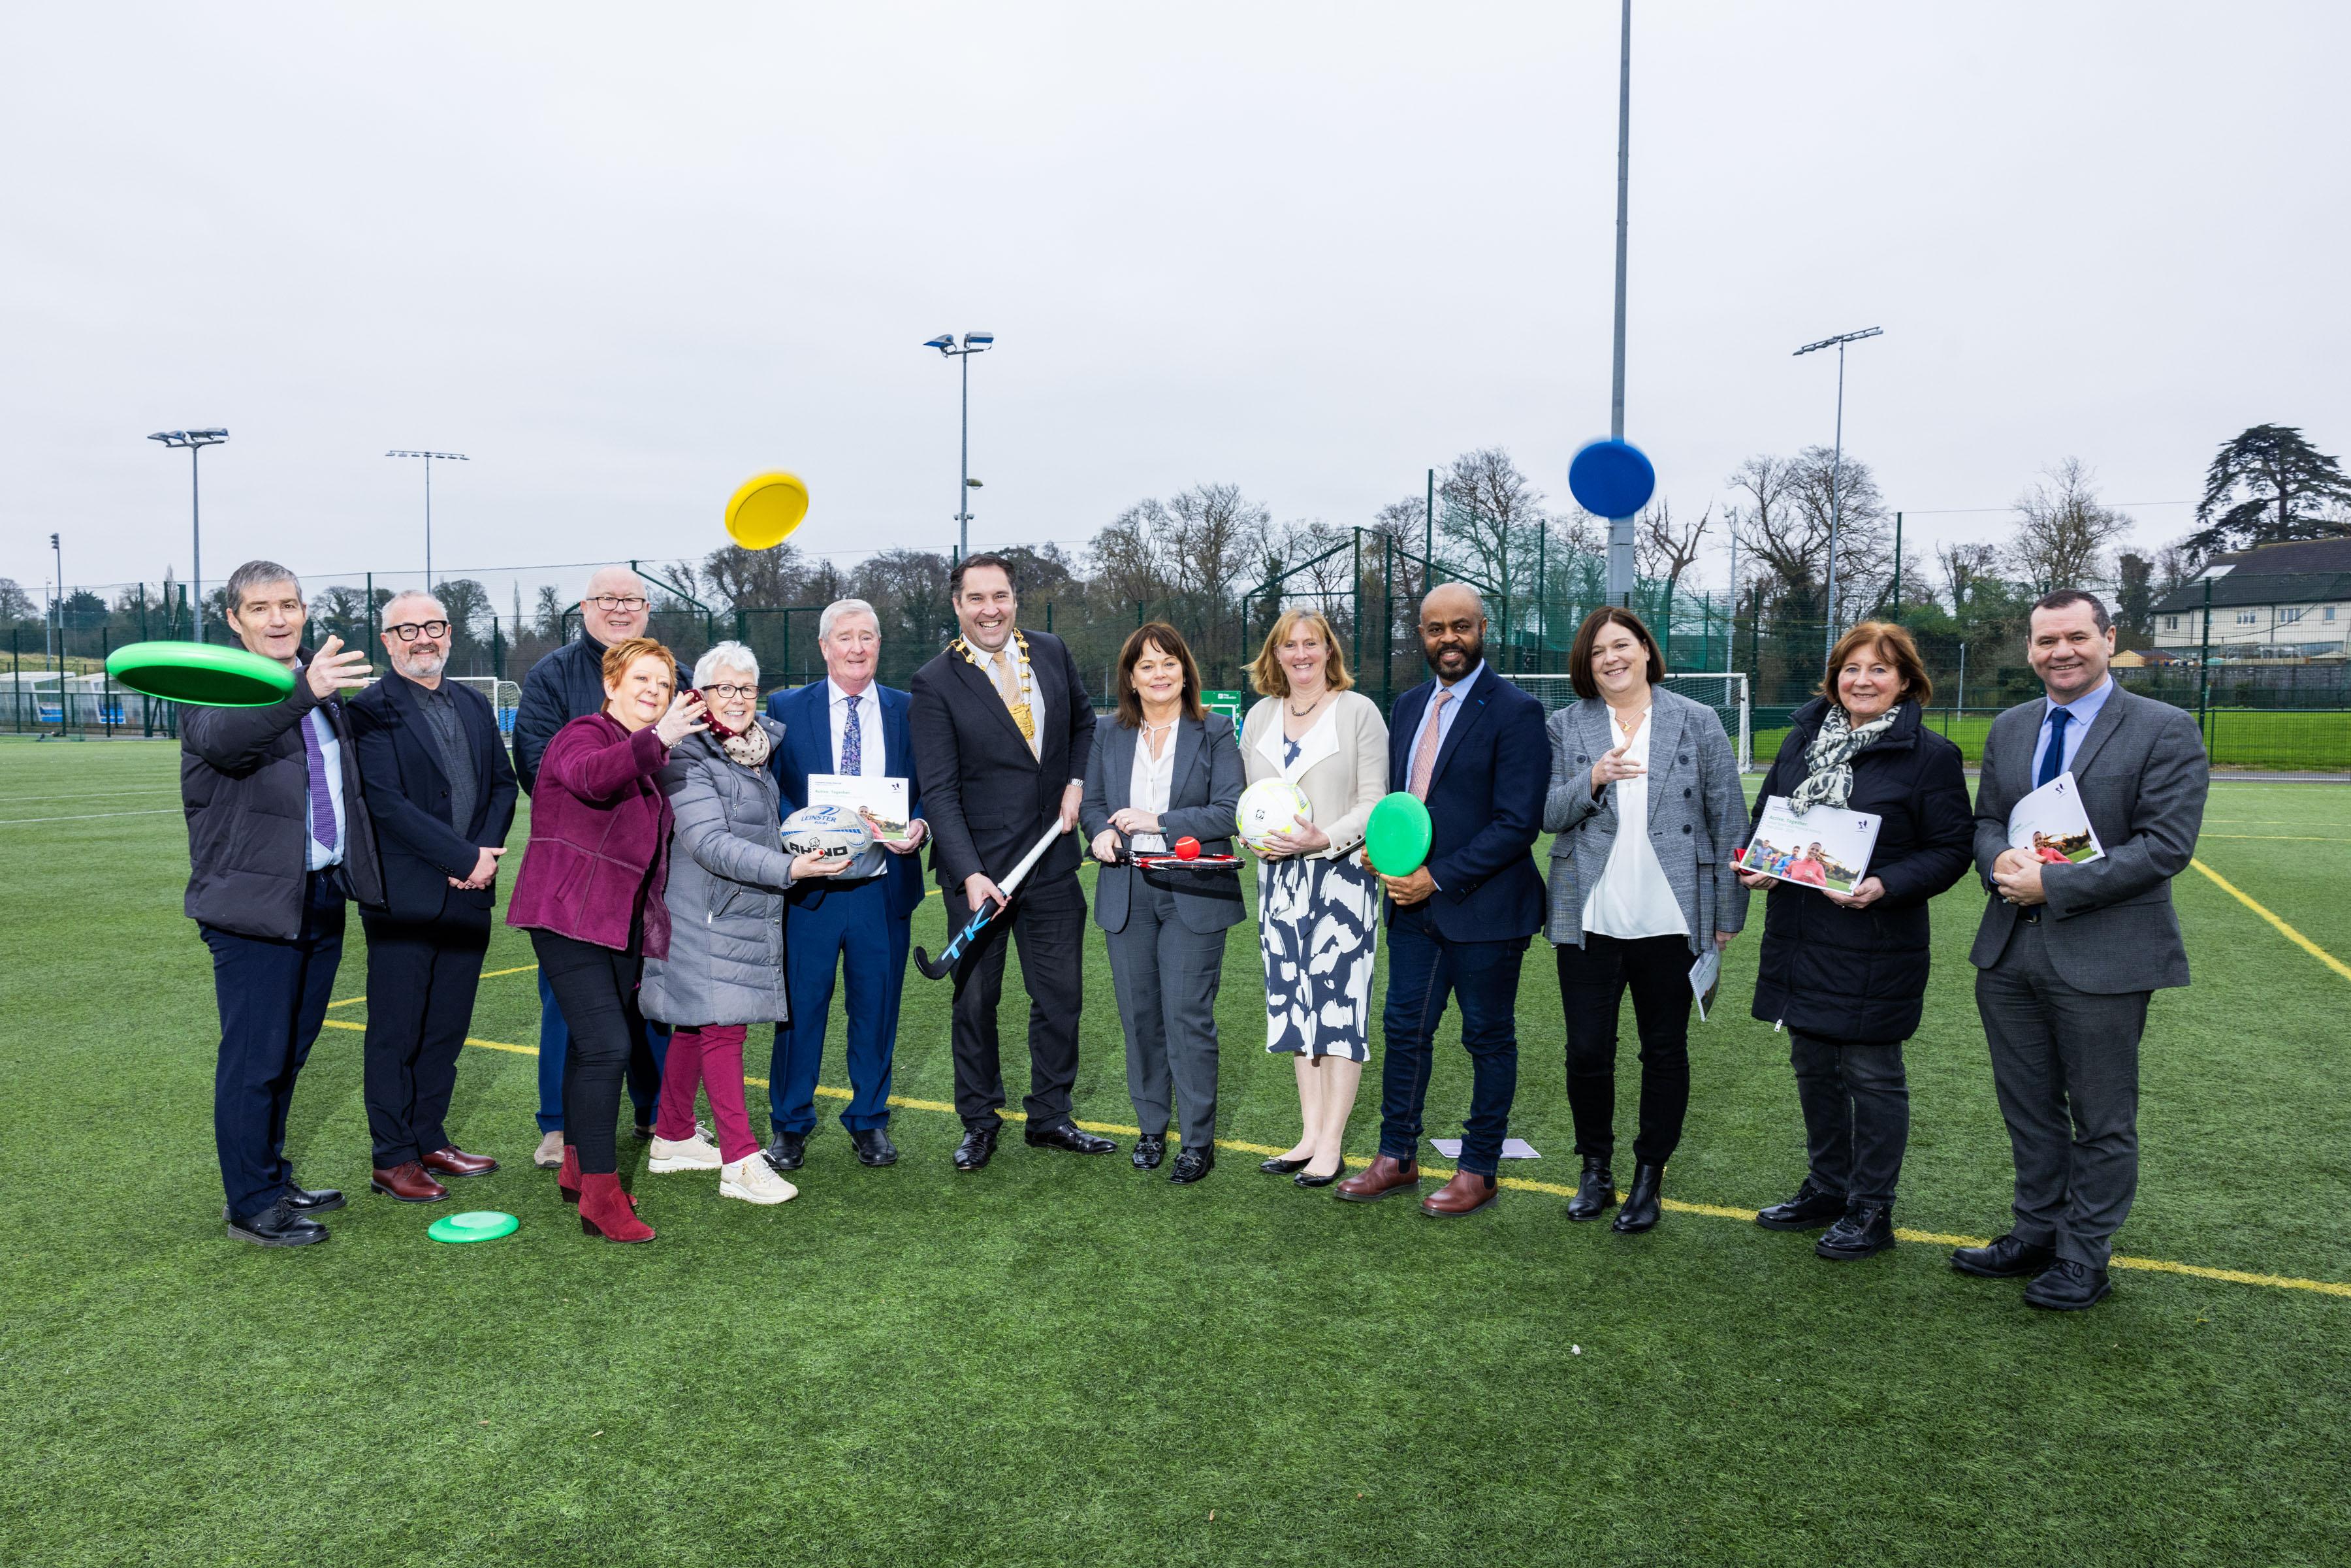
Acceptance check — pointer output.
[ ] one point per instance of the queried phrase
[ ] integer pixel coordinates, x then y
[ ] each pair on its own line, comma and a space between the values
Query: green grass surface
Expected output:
2258, 740
1060, 1359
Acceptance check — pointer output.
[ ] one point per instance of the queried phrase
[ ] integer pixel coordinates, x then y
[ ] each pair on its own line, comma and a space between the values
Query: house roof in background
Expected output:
2308, 571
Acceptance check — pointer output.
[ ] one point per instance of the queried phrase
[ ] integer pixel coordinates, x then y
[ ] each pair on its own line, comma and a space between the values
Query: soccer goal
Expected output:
1724, 691
505, 696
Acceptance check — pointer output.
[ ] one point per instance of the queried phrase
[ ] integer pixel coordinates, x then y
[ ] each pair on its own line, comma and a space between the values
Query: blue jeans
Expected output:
555, 1045
851, 930
1424, 968
273, 1000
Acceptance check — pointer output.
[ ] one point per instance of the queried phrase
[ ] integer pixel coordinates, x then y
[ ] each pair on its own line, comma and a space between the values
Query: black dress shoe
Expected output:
315, 1201
1866, 1229
873, 1147
1308, 1178
1641, 1209
1191, 1164
978, 1146
1809, 1210
1279, 1166
789, 1151
1595, 1191
2066, 1286
1148, 1153
2006, 1259
1071, 1139
277, 1226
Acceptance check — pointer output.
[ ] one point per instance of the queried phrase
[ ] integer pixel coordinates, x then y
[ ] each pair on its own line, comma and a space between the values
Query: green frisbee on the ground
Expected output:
201, 673
1398, 834
474, 1225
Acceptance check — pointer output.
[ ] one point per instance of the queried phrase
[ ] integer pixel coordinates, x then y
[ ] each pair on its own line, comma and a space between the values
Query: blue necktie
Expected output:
2053, 761
852, 743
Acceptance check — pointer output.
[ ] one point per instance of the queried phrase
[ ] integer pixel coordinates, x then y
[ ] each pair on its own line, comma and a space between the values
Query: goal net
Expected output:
504, 697
1724, 691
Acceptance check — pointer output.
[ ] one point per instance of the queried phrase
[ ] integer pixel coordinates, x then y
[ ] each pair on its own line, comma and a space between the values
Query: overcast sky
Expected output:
626, 256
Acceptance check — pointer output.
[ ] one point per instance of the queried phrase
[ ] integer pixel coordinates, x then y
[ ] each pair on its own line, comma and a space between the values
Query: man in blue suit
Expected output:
861, 920
1471, 746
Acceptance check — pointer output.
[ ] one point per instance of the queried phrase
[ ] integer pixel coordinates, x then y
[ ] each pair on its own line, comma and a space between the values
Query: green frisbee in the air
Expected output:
204, 674
474, 1225
1398, 834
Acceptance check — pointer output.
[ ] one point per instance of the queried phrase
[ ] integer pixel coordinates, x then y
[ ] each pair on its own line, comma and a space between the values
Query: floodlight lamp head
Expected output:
943, 343
977, 339
973, 483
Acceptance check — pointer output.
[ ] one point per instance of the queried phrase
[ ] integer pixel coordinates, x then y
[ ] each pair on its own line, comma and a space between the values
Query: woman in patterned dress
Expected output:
1318, 909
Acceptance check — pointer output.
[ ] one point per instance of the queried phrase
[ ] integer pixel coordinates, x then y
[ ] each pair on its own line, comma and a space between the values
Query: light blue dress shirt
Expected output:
2081, 714
1452, 710
330, 755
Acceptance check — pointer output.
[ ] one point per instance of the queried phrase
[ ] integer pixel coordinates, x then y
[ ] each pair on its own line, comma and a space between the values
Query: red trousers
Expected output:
707, 1057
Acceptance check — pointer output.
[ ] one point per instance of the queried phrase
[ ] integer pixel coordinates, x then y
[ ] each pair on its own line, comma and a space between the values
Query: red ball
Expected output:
1188, 849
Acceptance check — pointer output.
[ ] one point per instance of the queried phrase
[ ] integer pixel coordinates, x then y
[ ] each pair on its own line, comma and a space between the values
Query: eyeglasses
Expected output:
616, 603
732, 692
407, 631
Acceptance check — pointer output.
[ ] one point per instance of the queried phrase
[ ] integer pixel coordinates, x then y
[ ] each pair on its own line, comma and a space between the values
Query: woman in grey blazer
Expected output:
1165, 769
1645, 802
724, 971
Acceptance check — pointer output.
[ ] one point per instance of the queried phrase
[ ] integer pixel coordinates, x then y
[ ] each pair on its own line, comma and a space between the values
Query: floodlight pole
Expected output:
430, 458
1620, 529
973, 343
1836, 466
195, 440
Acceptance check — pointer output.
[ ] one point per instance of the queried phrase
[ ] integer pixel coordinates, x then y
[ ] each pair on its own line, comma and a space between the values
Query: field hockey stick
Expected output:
936, 968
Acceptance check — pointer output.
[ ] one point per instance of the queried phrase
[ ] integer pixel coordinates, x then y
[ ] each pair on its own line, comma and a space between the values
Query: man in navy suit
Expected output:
847, 723
1471, 746
434, 772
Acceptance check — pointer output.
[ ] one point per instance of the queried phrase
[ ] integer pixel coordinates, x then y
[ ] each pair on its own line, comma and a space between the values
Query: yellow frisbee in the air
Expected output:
764, 512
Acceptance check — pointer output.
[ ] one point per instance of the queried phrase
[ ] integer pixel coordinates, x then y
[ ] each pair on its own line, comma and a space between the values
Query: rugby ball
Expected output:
1268, 806
830, 832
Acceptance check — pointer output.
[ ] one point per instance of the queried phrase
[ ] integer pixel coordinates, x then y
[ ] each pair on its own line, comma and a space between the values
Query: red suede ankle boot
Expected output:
566, 1179
606, 1211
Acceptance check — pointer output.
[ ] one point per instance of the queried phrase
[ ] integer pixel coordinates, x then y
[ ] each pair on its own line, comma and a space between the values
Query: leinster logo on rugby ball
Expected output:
828, 832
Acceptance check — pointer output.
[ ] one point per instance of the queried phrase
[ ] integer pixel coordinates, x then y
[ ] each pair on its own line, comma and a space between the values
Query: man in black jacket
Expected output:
565, 685
442, 796
1002, 727
279, 837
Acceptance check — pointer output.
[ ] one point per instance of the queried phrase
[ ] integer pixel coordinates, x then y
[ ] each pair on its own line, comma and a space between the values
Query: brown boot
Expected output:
1466, 1193
449, 1160
408, 1182
1384, 1178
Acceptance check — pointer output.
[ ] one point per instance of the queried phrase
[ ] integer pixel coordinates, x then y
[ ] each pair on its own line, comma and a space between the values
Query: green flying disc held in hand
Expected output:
200, 674
1398, 834
474, 1224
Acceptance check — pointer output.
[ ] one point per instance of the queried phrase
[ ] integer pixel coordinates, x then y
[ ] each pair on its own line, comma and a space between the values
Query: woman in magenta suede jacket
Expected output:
589, 894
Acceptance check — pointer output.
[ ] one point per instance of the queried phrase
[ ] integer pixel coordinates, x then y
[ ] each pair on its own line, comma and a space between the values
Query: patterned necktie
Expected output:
852, 743
1424, 757
2053, 761
1008, 687
322, 805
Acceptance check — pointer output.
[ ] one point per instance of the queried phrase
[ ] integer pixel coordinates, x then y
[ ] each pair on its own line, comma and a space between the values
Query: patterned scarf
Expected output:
750, 748
1830, 758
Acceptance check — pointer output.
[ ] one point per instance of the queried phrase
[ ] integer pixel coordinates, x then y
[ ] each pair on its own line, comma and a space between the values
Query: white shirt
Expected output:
1634, 899
1148, 784
875, 762
330, 753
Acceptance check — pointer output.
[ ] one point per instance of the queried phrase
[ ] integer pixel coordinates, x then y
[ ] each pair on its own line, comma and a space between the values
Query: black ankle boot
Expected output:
1640, 1210
1595, 1194
1866, 1229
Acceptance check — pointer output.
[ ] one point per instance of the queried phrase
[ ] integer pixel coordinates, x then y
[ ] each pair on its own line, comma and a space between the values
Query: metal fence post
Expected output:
106, 684
2204, 669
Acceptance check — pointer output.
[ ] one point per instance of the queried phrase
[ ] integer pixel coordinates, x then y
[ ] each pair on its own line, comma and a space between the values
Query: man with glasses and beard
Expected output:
442, 795
1472, 747
568, 684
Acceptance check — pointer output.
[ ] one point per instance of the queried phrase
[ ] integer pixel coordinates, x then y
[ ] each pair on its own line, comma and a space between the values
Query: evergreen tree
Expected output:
2267, 487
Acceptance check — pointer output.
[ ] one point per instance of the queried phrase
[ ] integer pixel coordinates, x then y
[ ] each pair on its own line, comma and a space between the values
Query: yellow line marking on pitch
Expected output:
2288, 932
2277, 838
1554, 1189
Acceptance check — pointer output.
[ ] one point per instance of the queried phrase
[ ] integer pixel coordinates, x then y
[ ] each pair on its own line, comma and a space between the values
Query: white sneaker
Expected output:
685, 1154
549, 1155
753, 1180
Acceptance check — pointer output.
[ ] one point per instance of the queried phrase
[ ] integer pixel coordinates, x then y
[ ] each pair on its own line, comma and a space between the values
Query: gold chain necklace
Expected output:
1024, 712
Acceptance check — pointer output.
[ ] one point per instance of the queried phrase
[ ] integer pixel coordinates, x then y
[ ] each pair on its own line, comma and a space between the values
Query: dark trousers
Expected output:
273, 998
420, 993
2065, 1065
646, 1060
1423, 969
597, 988
851, 932
1856, 1101
1166, 976
1593, 981
1049, 920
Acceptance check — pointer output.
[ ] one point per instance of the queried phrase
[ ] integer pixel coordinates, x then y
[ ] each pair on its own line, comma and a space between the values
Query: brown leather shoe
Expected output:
1466, 1193
449, 1160
1384, 1178
408, 1182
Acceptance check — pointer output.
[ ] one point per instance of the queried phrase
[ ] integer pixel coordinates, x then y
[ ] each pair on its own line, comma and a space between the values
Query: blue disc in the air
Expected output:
1610, 479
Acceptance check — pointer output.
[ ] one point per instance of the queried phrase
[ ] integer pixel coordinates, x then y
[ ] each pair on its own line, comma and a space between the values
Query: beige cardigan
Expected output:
1341, 768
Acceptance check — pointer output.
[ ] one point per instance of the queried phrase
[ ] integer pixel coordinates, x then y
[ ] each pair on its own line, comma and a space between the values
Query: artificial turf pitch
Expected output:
1060, 1360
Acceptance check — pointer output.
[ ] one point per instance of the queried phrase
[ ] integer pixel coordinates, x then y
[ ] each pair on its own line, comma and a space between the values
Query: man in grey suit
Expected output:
2068, 954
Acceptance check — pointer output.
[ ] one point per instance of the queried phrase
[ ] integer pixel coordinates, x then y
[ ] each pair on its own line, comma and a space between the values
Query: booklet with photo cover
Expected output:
881, 802
1822, 847
2049, 825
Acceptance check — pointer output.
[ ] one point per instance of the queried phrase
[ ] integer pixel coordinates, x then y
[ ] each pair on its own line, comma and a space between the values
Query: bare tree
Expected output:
742, 579
1491, 513
2063, 532
1783, 524
547, 613
1967, 566
1663, 549
15, 604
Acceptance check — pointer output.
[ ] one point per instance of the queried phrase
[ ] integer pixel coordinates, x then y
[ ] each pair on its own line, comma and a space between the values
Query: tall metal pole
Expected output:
428, 527
196, 542
963, 482
1836, 468
1620, 529
1428, 537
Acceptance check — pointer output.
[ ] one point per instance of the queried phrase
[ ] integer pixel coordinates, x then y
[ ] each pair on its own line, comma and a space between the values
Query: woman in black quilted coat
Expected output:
1846, 973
